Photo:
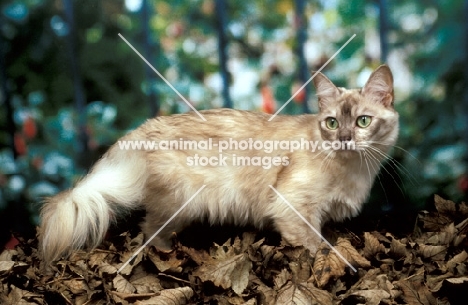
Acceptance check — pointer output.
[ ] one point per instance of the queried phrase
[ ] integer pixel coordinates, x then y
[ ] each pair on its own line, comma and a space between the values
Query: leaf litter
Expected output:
427, 267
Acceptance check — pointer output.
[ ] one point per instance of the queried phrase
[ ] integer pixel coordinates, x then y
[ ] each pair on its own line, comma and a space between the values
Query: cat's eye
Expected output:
363, 121
331, 123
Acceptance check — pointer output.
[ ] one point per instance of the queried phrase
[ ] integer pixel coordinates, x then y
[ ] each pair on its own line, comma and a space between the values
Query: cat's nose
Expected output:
345, 138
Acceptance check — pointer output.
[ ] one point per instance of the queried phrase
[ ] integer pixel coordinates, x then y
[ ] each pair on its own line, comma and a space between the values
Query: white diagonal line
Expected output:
163, 78
313, 229
310, 79
160, 229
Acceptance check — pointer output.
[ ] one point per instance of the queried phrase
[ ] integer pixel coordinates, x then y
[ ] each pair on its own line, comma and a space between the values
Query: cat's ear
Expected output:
327, 92
379, 86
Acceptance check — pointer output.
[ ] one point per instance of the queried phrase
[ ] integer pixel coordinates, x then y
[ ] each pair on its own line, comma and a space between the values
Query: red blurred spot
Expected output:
37, 162
300, 97
20, 144
268, 100
463, 183
12, 243
29, 128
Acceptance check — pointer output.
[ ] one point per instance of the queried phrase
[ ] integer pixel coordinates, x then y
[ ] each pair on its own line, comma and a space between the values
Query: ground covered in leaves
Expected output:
428, 267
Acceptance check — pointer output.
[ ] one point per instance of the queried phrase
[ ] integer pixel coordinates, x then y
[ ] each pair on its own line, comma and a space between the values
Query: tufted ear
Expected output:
379, 86
327, 92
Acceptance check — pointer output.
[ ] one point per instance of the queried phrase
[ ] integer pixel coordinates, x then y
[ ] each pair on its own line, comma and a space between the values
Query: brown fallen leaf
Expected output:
77, 286
444, 206
415, 291
250, 302
147, 284
326, 266
105, 268
282, 278
398, 249
372, 246
267, 295
373, 296
301, 266
460, 258
198, 256
351, 254
122, 285
232, 272
174, 296
303, 293
19, 296
6, 266
463, 209
166, 261
97, 258
329, 265
435, 253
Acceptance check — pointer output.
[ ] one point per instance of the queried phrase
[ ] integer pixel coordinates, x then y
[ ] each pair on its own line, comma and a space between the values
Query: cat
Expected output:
242, 162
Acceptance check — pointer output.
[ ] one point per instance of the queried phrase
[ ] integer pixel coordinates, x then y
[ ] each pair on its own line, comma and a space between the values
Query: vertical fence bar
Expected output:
5, 93
220, 6
465, 98
301, 23
78, 90
149, 46
383, 30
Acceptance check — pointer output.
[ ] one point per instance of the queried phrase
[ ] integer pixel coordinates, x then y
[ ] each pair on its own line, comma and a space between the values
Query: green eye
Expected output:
331, 123
364, 121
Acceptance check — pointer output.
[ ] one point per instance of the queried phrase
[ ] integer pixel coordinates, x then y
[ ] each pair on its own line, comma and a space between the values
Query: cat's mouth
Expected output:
348, 149
347, 153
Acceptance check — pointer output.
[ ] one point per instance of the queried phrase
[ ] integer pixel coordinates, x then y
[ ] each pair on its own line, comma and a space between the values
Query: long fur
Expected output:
81, 216
321, 185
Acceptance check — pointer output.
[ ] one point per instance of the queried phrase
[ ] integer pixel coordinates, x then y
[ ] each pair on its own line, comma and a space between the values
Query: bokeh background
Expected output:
70, 86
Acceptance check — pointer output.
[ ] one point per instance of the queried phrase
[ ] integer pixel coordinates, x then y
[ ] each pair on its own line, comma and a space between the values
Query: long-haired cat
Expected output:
237, 156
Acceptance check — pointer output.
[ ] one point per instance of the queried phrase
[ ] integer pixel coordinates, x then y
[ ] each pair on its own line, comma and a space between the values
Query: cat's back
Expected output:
223, 123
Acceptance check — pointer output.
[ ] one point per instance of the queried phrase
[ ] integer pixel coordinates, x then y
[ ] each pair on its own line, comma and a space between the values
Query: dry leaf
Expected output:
6, 266
351, 254
398, 249
303, 293
327, 265
444, 206
431, 264
122, 285
373, 296
461, 257
372, 246
230, 272
174, 296
166, 261
414, 290
282, 278
77, 286
301, 267
147, 284
435, 253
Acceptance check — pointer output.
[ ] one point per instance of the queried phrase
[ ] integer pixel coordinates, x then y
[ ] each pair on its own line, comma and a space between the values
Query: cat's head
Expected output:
364, 116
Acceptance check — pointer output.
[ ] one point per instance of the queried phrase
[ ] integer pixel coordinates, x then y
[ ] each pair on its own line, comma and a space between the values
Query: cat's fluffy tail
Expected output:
81, 216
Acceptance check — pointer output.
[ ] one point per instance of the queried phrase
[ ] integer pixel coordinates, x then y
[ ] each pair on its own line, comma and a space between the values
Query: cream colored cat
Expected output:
322, 184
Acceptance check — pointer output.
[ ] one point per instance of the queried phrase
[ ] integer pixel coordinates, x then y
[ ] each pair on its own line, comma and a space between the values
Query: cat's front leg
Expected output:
297, 231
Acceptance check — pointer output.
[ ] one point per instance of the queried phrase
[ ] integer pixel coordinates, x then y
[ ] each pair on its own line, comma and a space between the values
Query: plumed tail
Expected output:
81, 216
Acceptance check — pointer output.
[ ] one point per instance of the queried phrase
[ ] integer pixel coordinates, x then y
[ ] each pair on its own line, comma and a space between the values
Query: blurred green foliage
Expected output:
427, 55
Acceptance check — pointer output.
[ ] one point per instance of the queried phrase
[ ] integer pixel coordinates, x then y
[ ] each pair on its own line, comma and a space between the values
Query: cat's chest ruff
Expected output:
350, 188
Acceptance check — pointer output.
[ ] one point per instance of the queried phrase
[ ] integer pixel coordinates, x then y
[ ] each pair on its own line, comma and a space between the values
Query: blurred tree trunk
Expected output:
149, 46
78, 90
222, 48
383, 30
5, 95
465, 99
301, 28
